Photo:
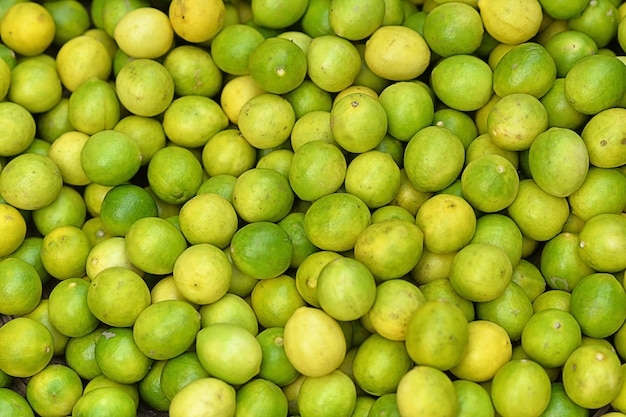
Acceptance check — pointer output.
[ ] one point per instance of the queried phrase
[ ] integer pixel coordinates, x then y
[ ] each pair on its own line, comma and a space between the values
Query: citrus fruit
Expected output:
190, 121
14, 404
308, 272
108, 253
317, 169
599, 20
27, 347
40, 313
453, 29
167, 329
358, 122
275, 365
77, 59
105, 400
174, 174
599, 193
199, 216
229, 352
560, 111
153, 245
521, 388
308, 97
473, 399
314, 342
488, 349
561, 263
254, 117
511, 310
193, 70
515, 120
550, 336
252, 259
202, 273
462, 73
561, 404
13, 228
179, 372
592, 376
355, 21
231, 308
559, 299
123, 205
35, 85
527, 68
293, 224
119, 358
228, 153
64, 252
388, 49
374, 177
602, 254
400, 101
568, 47
66, 155
500, 230
531, 208
274, 300
198, 21
490, 183
219, 399
602, 137
425, 390
109, 292
445, 233
68, 309
68, 209
86, 105
150, 388
20, 127
583, 91
144, 87
144, 32
221, 184
261, 397
232, 46
110, 158
332, 394
54, 390
30, 181
596, 304
277, 65
250, 195
80, 354
511, 24
28, 28
396, 302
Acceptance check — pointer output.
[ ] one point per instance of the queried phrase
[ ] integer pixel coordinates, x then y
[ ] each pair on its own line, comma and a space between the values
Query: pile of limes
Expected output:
315, 208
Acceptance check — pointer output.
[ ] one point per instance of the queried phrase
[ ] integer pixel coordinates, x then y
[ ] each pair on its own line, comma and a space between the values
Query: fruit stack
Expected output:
315, 208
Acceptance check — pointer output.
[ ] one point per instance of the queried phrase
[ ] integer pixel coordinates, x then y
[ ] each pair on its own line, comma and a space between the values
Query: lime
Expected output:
334, 221
232, 46
333, 394
229, 352
356, 20
228, 153
192, 120
68, 209
190, 20
511, 24
293, 224
396, 302
515, 120
448, 223
599, 20
275, 365
105, 400
317, 169
274, 300
569, 47
20, 126
316, 19
561, 263
560, 111
86, 105
490, 183
179, 372
231, 308
308, 97
144, 32
358, 122
251, 259
145, 87
80, 354
110, 158
453, 29
20, 287
150, 388
308, 272
553, 174
535, 75
596, 303
585, 94
236, 93
473, 398
64, 252
109, 253
28, 28
14, 404
592, 376
54, 390
277, 65
560, 404
30, 181
401, 101
425, 390
13, 226
521, 388
65, 152
601, 240
251, 191
262, 398
123, 205
255, 116
174, 174
602, 136
30, 80
220, 399
599, 193
27, 347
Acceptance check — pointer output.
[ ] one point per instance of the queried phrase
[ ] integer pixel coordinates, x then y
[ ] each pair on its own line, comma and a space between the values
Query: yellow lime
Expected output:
236, 93
333, 394
453, 28
231, 308
602, 135
397, 53
515, 120
86, 105
601, 241
102, 381
28, 28
252, 259
64, 252
81, 58
192, 120
202, 273
174, 174
274, 300
596, 303
599, 193
512, 24
592, 376
426, 391
558, 299
358, 122
26, 345
144, 32
396, 302
201, 214
40, 313
255, 116
20, 287
220, 399
30, 181
374, 177
108, 253
490, 183
521, 388
193, 70
334, 221
356, 20
110, 399
561, 263
65, 152
250, 195
308, 272
263, 398
533, 219
54, 390
317, 169
13, 226
511, 310
145, 87
527, 68
229, 352
228, 153
110, 157
197, 21
35, 85
488, 349
448, 223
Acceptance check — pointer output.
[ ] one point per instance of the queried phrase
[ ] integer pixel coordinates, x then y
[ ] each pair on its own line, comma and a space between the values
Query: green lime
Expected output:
560, 111
333, 63
354, 20
266, 120
602, 240
599, 20
123, 205
602, 135
86, 105
277, 65
522, 388
425, 390
192, 120
409, 108
110, 158
453, 29
174, 174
